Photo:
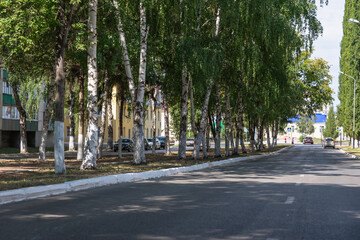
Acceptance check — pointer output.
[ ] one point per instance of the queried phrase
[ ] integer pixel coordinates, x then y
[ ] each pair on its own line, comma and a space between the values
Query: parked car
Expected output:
146, 144
162, 142
157, 143
190, 142
328, 142
125, 144
308, 140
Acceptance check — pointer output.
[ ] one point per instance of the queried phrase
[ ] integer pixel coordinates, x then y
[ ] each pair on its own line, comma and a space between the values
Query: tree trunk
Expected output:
184, 96
49, 108
154, 96
252, 136
22, 112
218, 124
268, 137
72, 117
228, 124
121, 117
137, 94
193, 125
110, 119
80, 150
203, 121
91, 141
261, 136
103, 117
167, 128
60, 48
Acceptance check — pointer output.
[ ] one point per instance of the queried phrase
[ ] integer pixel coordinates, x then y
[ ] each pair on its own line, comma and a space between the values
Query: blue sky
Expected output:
328, 45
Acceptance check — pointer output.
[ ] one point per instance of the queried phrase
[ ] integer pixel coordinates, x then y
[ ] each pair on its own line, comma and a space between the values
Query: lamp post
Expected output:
353, 107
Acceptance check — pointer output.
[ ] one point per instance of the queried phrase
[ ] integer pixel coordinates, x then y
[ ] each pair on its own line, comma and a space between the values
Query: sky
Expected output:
327, 46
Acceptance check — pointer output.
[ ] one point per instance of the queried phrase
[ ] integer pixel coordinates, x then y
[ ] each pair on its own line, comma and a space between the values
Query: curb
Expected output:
22, 194
349, 154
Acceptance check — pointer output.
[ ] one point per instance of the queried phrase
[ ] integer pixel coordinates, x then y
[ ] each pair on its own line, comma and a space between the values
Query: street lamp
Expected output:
353, 107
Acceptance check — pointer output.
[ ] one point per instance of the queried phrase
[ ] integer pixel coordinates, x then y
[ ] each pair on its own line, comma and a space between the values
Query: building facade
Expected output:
127, 120
10, 123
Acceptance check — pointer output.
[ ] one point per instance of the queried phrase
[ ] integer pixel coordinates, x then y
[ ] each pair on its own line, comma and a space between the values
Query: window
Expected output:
9, 112
151, 116
129, 134
158, 132
7, 88
68, 131
147, 133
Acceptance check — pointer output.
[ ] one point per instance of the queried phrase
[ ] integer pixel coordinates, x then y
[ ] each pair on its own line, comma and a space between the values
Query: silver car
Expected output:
328, 142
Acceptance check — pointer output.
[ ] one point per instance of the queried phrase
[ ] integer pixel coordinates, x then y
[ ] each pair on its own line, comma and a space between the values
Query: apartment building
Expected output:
127, 117
10, 123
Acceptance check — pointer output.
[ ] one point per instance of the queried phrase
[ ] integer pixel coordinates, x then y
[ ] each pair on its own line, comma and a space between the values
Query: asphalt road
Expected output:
305, 192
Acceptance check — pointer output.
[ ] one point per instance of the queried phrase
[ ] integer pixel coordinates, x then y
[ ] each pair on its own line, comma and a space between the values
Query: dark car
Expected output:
328, 142
146, 144
162, 142
308, 140
125, 144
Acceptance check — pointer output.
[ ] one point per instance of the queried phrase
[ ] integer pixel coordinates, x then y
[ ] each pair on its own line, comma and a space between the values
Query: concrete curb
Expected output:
22, 194
349, 154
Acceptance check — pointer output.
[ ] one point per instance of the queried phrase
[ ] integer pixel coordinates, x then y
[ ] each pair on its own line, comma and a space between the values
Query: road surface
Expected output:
305, 192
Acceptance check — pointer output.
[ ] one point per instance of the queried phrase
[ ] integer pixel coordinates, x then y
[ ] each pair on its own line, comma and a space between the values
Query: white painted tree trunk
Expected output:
110, 118
121, 133
203, 122
102, 126
193, 125
80, 150
228, 124
153, 97
91, 141
167, 128
184, 95
218, 123
48, 111
103, 116
137, 94
60, 49
72, 117
268, 137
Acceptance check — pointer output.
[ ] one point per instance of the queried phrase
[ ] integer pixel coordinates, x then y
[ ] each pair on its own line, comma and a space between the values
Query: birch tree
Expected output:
137, 93
91, 141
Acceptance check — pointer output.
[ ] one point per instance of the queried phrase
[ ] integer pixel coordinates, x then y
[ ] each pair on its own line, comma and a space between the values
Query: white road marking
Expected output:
290, 200
302, 175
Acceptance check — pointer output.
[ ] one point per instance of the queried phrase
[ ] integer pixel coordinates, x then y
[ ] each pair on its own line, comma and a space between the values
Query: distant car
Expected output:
328, 142
190, 142
162, 142
146, 145
308, 140
157, 143
125, 144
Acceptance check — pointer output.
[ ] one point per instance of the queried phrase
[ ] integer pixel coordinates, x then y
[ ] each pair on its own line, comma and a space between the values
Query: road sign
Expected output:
289, 129
338, 129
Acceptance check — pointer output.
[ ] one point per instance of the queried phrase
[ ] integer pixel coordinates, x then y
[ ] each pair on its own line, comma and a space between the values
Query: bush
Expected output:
301, 138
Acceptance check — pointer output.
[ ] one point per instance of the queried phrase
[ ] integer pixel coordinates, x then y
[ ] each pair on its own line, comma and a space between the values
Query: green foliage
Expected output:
330, 126
349, 64
306, 125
